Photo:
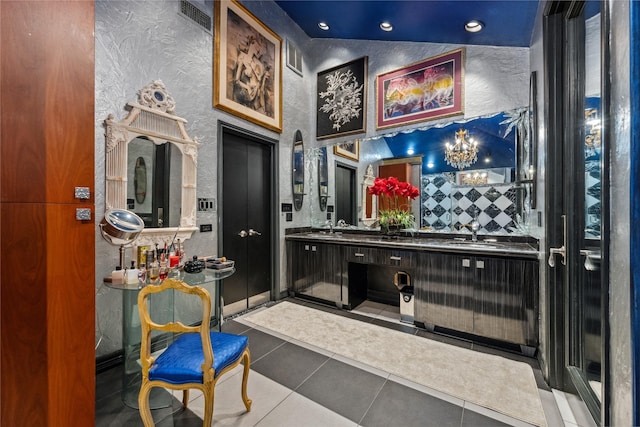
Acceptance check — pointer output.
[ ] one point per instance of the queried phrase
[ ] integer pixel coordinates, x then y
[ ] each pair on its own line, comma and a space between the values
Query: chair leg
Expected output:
143, 404
245, 377
185, 398
208, 394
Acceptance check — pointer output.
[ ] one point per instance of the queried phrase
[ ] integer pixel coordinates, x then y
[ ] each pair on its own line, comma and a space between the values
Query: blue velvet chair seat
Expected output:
182, 362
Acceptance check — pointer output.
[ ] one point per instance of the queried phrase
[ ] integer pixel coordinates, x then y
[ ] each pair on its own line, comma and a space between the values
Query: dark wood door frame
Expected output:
223, 128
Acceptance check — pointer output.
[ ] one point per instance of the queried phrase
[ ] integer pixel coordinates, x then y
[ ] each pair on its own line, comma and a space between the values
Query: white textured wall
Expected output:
619, 264
141, 41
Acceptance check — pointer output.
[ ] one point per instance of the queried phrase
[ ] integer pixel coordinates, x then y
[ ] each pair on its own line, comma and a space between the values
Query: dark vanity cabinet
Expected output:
468, 290
315, 270
492, 297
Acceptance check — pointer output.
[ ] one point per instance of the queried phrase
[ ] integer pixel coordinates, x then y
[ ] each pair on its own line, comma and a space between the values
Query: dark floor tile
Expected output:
289, 365
342, 388
445, 339
233, 327
261, 343
398, 405
109, 382
112, 412
474, 419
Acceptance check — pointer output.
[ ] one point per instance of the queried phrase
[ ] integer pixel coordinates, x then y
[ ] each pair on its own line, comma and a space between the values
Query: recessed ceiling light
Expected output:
323, 26
385, 26
473, 26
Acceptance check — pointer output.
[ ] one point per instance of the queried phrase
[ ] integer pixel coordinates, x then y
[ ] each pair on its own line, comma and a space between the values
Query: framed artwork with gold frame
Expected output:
247, 66
349, 150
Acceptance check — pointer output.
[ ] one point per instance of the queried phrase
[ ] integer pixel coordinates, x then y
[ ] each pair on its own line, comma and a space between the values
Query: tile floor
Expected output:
293, 384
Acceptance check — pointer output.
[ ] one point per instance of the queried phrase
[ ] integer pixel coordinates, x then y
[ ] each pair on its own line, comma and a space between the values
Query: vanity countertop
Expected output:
485, 245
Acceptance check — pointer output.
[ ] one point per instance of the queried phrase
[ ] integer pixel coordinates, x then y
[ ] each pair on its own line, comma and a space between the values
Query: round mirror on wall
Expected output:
298, 171
323, 178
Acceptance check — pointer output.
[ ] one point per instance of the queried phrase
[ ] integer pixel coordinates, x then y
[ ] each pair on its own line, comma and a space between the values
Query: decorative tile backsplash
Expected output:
446, 206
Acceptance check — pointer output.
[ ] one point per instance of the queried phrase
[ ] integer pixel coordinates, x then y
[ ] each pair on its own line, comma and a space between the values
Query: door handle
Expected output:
253, 232
592, 259
243, 233
562, 250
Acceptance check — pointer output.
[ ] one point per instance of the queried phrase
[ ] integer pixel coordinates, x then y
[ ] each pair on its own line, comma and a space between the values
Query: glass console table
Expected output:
162, 309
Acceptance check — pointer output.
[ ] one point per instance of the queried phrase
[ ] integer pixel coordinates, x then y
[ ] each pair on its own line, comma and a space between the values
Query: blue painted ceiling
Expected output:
507, 23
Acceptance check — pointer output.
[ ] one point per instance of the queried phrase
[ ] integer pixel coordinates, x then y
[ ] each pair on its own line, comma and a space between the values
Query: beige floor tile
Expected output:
298, 411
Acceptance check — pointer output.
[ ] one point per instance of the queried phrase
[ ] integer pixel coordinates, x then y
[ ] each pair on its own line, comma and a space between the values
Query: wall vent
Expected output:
197, 15
294, 58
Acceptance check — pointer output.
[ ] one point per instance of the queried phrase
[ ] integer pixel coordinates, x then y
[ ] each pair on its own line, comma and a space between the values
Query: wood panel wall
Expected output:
47, 268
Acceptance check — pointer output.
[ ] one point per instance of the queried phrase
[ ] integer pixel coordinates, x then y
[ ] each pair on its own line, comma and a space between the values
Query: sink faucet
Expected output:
330, 224
475, 226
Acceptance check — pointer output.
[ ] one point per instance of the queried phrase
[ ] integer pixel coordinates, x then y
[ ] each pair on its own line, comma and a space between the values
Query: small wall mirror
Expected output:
298, 171
151, 167
323, 178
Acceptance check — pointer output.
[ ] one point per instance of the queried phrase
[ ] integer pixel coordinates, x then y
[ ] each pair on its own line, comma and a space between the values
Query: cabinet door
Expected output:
505, 303
316, 270
447, 297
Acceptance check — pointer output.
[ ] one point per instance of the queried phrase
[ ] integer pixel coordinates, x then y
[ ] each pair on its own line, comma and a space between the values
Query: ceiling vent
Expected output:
196, 14
294, 58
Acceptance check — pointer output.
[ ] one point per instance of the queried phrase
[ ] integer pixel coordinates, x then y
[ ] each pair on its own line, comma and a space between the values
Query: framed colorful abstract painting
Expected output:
425, 90
341, 99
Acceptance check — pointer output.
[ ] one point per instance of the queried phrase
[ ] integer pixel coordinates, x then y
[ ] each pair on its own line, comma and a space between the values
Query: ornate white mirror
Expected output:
151, 166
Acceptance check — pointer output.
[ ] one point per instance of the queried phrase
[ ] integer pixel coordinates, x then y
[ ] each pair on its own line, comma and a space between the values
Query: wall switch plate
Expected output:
204, 228
289, 216
206, 204
329, 208
286, 207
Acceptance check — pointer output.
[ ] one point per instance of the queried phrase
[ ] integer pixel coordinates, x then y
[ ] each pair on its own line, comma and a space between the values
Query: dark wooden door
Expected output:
47, 280
345, 195
246, 217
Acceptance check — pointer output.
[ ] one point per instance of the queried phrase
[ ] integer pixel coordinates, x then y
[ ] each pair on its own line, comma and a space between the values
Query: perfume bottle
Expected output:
142, 274
164, 267
154, 270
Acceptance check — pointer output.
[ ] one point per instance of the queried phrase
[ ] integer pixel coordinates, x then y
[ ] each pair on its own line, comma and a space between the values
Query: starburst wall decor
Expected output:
341, 99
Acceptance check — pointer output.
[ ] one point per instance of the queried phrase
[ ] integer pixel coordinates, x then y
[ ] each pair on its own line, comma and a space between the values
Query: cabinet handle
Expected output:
313, 248
306, 247
466, 263
479, 264
358, 254
395, 258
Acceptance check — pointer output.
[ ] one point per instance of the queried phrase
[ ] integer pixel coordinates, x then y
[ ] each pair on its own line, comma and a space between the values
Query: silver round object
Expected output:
120, 226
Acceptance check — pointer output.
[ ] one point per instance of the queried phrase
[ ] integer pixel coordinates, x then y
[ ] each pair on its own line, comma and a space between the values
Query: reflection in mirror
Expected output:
489, 187
298, 171
323, 178
168, 196
160, 181
369, 203
140, 180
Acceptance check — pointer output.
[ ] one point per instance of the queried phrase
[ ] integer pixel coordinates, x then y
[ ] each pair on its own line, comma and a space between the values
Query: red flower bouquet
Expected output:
393, 196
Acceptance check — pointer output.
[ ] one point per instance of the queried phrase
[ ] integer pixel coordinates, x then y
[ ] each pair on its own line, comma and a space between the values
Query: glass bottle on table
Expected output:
154, 270
164, 267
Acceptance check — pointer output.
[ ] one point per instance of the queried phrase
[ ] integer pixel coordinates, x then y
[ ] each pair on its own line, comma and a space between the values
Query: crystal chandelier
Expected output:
463, 153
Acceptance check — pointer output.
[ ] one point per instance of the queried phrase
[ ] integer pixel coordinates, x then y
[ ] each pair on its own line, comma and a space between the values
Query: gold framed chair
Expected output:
195, 360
